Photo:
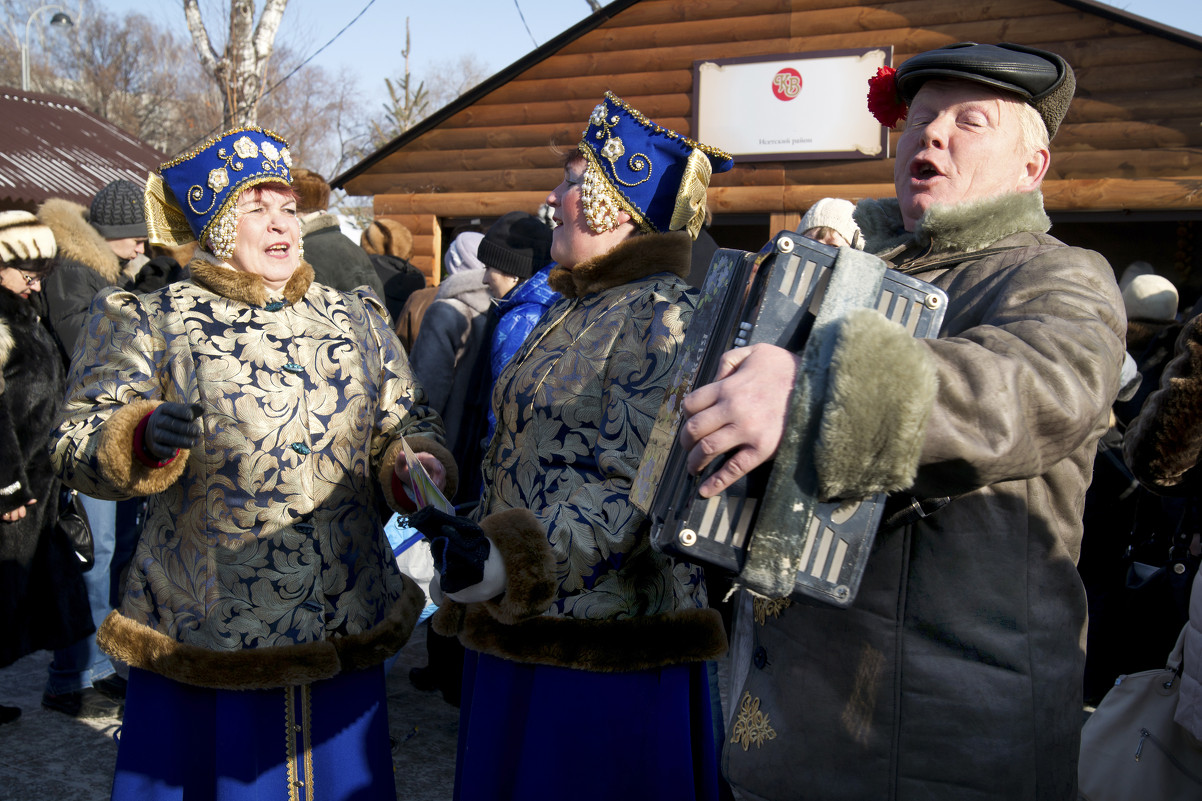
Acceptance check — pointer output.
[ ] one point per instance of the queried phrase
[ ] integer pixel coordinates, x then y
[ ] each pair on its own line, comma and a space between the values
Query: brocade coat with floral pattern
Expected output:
269, 535
575, 407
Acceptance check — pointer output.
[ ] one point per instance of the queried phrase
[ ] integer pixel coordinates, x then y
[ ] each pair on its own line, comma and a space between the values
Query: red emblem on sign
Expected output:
786, 84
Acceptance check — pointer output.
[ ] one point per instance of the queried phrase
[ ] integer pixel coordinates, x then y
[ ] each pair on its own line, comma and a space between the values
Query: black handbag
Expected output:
73, 524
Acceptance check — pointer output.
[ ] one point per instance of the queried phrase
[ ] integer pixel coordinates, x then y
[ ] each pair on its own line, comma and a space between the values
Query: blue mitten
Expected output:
458, 545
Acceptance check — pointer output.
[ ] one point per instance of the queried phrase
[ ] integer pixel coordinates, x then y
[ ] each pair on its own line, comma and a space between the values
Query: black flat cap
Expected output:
1041, 78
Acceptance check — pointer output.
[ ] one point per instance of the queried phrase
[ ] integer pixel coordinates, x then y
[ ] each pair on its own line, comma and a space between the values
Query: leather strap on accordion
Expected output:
774, 555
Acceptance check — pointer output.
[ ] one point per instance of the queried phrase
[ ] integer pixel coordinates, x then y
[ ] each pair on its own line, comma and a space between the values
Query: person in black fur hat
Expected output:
43, 601
956, 672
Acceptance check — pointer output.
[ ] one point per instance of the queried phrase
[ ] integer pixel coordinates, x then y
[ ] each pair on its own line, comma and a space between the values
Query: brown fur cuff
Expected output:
879, 396
387, 468
530, 581
604, 646
116, 454
448, 620
260, 668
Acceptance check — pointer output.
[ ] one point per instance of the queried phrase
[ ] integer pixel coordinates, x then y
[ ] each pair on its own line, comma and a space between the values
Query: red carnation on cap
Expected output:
883, 100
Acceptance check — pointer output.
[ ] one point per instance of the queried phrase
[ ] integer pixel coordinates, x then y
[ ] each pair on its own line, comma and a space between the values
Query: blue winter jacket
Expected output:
517, 314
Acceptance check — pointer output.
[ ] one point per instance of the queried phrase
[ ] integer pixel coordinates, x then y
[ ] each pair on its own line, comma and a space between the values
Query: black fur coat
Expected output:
43, 602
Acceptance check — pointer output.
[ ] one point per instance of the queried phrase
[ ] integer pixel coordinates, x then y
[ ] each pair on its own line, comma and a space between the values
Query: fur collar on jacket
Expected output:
78, 240
632, 259
247, 288
963, 228
318, 221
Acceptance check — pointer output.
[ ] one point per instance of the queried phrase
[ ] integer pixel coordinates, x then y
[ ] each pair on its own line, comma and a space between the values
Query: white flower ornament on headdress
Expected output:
245, 148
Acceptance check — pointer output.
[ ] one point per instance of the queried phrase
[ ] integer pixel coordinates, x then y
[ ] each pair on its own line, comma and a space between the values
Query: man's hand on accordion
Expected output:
742, 412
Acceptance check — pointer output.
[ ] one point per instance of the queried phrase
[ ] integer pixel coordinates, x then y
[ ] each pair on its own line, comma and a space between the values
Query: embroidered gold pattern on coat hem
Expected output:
752, 725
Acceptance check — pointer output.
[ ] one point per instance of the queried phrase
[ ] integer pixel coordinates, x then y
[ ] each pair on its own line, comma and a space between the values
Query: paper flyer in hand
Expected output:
425, 491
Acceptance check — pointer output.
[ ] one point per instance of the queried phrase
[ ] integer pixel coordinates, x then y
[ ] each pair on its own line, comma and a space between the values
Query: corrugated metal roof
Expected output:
50, 146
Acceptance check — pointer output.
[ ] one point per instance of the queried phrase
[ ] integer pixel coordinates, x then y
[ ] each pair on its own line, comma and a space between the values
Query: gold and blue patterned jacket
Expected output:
574, 409
263, 560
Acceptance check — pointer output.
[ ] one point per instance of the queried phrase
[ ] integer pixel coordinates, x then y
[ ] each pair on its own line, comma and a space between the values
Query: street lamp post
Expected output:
60, 20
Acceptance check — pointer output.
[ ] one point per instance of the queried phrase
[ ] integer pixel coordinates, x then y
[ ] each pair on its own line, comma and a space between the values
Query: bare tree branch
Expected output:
200, 37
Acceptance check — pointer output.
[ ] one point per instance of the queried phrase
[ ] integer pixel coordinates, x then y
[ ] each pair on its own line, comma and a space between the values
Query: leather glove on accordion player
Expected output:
469, 569
171, 426
879, 395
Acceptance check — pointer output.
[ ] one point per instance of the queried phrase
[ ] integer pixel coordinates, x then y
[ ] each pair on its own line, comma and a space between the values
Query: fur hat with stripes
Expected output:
24, 238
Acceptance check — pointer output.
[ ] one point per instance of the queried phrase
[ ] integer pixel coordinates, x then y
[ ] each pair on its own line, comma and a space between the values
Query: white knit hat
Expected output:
23, 237
1133, 269
1150, 297
461, 254
836, 214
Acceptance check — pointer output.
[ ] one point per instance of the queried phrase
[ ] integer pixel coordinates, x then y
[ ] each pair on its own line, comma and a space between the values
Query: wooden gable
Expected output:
1130, 145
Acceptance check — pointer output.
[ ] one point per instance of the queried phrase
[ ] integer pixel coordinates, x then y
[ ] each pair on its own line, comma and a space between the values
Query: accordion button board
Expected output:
792, 293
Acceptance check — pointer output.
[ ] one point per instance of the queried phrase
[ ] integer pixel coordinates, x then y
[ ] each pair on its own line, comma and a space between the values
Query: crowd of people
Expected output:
243, 399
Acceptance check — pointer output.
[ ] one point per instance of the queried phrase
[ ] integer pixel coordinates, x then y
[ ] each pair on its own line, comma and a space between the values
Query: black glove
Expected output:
458, 545
172, 426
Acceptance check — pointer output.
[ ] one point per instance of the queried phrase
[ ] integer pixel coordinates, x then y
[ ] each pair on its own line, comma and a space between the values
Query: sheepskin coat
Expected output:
575, 407
85, 265
957, 671
337, 261
1161, 447
43, 601
263, 560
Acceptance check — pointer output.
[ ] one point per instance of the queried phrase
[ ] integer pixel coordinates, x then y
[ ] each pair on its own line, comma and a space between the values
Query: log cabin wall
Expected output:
1126, 170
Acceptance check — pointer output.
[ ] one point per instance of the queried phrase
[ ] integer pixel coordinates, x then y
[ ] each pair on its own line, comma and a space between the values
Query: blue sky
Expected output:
493, 30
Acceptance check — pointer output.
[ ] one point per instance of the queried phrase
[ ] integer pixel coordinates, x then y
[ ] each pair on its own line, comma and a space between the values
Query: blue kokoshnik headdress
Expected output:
194, 195
652, 173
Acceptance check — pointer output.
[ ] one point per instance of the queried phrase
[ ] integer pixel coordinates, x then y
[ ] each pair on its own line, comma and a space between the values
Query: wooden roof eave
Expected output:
1135, 21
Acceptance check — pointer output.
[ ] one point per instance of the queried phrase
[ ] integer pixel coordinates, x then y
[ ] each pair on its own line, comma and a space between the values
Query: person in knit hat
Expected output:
830, 221
460, 256
117, 214
389, 245
336, 260
99, 246
956, 671
43, 599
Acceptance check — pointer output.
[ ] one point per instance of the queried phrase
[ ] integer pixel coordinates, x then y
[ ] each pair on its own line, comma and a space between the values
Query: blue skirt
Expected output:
327, 740
534, 732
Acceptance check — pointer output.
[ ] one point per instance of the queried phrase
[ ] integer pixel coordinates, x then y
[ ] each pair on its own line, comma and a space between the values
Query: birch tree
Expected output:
239, 72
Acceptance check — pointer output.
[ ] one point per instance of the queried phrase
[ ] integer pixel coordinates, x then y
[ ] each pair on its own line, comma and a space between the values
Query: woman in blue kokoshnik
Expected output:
263, 415
585, 674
